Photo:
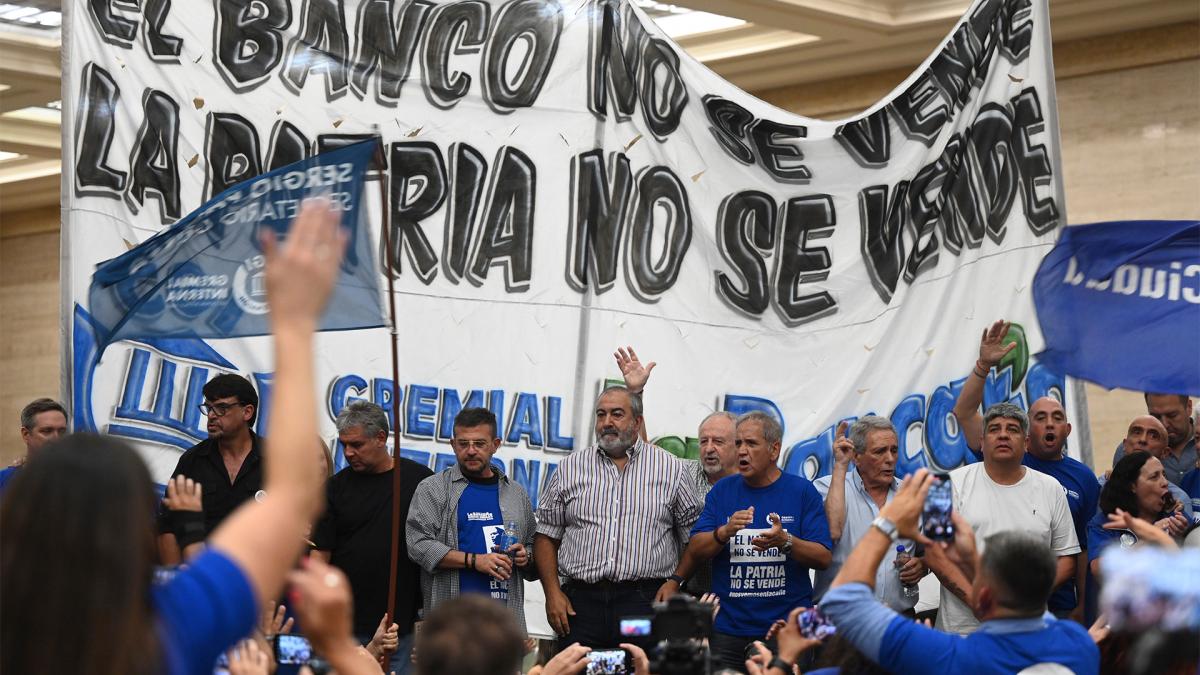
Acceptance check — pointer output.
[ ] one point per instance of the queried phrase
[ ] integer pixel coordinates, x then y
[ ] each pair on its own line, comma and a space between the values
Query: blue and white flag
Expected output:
204, 276
1119, 305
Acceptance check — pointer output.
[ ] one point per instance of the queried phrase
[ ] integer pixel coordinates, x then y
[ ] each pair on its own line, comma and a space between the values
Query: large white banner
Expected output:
562, 179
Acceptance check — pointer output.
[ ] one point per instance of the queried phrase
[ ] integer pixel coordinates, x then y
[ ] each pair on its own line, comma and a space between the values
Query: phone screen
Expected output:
814, 625
939, 504
292, 649
608, 662
635, 626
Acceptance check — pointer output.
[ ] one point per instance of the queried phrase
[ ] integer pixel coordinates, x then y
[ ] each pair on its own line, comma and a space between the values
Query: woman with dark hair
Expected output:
79, 551
1139, 487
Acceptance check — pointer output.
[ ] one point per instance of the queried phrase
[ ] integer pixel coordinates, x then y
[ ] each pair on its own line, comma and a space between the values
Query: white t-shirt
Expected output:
1035, 504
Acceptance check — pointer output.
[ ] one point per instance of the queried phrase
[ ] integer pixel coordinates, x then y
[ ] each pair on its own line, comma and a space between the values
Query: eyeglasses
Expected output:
219, 409
477, 444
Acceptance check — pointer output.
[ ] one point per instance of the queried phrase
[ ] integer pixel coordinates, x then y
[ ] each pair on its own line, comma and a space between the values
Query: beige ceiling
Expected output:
784, 42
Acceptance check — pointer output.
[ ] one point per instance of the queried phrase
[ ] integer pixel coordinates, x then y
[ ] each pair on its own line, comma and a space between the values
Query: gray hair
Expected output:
1006, 411
771, 431
635, 400
37, 407
364, 414
720, 413
1023, 566
865, 425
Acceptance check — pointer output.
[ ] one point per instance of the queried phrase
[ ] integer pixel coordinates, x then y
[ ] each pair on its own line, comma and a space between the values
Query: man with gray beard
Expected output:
611, 523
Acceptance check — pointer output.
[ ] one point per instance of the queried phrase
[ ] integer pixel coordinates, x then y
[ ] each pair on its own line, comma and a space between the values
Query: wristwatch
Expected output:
887, 527
786, 547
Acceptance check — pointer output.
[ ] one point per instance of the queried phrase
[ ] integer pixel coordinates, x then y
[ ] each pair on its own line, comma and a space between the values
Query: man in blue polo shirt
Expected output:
764, 530
1010, 585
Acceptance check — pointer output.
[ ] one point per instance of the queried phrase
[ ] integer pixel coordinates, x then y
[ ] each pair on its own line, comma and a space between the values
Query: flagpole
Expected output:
385, 219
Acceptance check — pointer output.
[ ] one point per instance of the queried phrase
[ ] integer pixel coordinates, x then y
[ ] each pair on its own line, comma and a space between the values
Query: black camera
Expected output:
680, 628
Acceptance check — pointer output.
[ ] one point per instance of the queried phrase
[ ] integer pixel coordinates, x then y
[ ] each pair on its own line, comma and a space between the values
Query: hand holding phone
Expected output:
937, 523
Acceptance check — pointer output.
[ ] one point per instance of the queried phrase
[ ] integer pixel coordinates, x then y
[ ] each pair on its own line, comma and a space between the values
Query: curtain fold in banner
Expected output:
562, 180
1119, 305
204, 277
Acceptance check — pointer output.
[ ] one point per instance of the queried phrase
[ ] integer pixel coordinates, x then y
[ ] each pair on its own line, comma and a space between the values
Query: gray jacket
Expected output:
432, 532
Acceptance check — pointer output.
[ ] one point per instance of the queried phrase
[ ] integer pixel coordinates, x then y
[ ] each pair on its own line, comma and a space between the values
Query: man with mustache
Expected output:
863, 481
611, 522
1000, 494
1046, 452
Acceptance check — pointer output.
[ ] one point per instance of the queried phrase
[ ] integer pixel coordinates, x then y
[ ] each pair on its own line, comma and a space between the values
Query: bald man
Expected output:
1174, 411
1147, 434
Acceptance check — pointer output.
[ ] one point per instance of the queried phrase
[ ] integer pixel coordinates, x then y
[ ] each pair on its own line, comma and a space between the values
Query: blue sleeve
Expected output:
709, 519
907, 647
205, 609
1097, 539
1089, 502
860, 618
814, 526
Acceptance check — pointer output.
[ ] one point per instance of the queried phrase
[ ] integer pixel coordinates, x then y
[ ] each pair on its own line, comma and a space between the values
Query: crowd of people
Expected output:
620, 527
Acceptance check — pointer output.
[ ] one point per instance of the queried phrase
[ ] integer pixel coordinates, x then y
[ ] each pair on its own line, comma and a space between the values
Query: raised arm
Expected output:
636, 376
835, 500
992, 348
265, 538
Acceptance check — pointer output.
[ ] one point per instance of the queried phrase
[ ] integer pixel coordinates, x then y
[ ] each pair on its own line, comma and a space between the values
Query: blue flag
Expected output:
203, 277
1119, 305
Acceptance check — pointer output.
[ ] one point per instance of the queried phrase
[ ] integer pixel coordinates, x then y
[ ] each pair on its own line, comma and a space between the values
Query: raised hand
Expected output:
992, 347
1151, 533
271, 622
302, 271
632, 370
321, 599
183, 494
843, 447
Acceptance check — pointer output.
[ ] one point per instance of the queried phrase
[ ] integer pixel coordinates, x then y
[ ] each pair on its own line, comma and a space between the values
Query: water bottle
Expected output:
512, 536
909, 591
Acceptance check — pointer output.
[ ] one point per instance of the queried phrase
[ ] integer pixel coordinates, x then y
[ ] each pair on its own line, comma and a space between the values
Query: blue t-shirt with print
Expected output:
480, 528
757, 587
1083, 494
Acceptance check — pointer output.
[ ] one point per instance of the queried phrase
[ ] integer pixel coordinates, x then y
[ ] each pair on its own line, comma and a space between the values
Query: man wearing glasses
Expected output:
217, 474
460, 518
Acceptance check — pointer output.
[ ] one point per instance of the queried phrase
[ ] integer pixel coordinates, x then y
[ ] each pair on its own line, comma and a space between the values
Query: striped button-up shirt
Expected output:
432, 532
618, 525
